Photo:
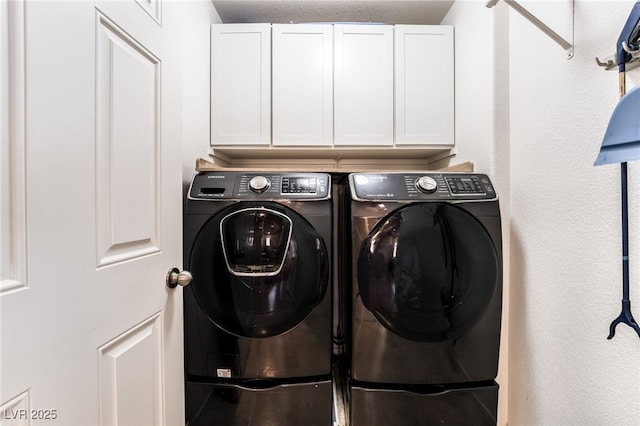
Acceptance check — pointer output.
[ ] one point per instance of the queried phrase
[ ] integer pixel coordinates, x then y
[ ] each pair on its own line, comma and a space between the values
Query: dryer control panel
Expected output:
416, 186
260, 186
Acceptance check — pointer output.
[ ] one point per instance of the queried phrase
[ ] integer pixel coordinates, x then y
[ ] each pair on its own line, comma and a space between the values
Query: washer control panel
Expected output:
416, 186
260, 186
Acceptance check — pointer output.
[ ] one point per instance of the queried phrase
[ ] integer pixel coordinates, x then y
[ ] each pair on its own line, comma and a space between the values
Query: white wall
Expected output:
198, 15
565, 231
476, 58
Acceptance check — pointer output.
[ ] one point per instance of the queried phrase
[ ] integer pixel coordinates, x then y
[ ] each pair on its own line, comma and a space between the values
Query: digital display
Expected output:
292, 185
465, 185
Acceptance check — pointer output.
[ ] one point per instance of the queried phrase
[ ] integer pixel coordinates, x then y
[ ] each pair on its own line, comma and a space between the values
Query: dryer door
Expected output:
428, 271
258, 269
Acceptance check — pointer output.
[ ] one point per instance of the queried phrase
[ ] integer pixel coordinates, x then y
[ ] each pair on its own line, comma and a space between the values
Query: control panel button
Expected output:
259, 184
427, 184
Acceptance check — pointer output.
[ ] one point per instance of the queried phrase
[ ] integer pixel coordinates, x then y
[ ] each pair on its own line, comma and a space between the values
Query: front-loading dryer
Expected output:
426, 298
258, 315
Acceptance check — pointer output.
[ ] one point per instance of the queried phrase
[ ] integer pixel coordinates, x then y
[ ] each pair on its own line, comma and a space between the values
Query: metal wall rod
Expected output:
538, 23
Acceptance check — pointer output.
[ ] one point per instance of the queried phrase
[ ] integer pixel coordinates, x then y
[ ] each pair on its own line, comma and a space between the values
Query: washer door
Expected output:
258, 269
428, 271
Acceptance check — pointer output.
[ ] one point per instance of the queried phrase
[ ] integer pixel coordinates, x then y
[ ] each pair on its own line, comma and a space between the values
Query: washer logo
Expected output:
365, 179
362, 180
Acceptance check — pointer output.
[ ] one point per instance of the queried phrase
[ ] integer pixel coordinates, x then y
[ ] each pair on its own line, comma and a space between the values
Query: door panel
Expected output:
153, 8
127, 145
96, 335
302, 84
131, 366
240, 84
363, 79
13, 254
424, 84
16, 411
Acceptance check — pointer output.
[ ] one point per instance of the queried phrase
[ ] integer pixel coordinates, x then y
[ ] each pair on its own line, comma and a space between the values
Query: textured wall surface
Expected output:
198, 15
565, 231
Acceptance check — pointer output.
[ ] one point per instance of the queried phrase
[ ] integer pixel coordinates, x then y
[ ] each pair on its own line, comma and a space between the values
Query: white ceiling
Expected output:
428, 12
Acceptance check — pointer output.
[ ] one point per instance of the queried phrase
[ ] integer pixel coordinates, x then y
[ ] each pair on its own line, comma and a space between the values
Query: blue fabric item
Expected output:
621, 141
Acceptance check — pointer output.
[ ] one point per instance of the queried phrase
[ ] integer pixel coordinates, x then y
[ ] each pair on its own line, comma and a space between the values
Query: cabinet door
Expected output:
240, 84
363, 78
302, 91
424, 85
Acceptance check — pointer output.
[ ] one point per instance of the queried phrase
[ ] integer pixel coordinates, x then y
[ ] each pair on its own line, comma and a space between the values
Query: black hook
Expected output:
626, 318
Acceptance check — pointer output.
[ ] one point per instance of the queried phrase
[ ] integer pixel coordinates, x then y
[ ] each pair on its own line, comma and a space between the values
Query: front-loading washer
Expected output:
426, 298
258, 314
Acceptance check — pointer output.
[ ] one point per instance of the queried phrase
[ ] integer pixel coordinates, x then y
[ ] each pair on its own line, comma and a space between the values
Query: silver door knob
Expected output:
176, 278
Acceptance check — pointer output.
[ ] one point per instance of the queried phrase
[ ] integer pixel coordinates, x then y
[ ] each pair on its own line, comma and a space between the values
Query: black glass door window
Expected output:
255, 241
258, 269
428, 271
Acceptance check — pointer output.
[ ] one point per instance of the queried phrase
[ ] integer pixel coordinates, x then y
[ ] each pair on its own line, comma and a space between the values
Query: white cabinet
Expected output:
332, 86
424, 85
302, 84
241, 84
363, 78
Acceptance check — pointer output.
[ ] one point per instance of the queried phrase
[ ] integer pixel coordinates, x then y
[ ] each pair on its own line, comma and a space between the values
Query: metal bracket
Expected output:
568, 47
609, 62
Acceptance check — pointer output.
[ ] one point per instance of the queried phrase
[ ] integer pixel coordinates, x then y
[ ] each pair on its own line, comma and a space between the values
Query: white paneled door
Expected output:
91, 213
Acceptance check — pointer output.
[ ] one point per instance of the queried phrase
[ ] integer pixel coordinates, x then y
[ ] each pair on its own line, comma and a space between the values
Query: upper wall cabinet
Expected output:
336, 86
241, 84
302, 87
424, 85
363, 78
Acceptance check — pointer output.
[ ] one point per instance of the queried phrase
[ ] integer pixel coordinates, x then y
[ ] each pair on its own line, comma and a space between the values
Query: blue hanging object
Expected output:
622, 144
621, 141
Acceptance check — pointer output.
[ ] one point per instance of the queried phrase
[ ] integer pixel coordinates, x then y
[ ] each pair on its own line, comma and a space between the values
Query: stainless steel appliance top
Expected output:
260, 186
417, 186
